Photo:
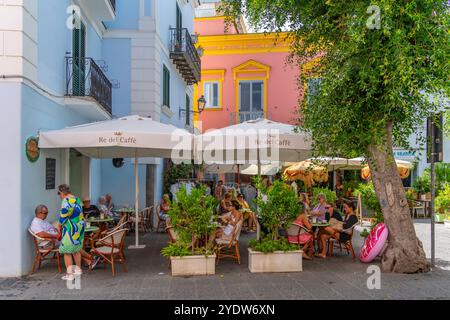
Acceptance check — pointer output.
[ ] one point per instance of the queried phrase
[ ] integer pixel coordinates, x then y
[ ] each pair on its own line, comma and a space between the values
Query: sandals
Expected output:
68, 277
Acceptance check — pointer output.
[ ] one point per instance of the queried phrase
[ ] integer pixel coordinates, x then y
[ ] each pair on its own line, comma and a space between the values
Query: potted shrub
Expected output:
193, 219
423, 187
277, 207
442, 203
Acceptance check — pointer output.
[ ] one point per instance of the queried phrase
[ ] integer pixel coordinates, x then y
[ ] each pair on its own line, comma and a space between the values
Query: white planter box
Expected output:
193, 265
277, 261
447, 224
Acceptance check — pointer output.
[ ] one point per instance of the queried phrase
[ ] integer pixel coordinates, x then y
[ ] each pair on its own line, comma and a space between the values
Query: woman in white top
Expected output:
226, 231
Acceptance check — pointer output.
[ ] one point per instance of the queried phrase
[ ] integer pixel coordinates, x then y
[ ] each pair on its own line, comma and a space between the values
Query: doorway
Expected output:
79, 167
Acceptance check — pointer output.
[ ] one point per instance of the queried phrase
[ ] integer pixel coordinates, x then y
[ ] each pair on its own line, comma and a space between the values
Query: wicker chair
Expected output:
348, 244
110, 249
44, 248
229, 248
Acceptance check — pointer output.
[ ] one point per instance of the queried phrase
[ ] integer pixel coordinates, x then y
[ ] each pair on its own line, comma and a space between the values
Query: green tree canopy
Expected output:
383, 67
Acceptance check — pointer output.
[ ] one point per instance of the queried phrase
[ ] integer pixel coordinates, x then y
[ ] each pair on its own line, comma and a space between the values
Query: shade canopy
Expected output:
125, 137
266, 170
307, 171
254, 141
128, 137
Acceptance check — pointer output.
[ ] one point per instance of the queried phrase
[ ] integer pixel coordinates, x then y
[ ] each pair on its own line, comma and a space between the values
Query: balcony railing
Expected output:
185, 55
84, 78
243, 116
113, 4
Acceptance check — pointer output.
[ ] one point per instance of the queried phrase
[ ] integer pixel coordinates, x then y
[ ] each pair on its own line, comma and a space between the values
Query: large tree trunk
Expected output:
404, 253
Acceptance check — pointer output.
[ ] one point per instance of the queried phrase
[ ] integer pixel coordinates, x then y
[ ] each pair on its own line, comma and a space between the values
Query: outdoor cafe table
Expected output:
102, 223
320, 224
91, 229
99, 220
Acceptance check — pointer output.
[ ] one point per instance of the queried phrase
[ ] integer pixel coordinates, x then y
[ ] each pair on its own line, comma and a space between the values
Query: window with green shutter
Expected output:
188, 110
166, 87
79, 55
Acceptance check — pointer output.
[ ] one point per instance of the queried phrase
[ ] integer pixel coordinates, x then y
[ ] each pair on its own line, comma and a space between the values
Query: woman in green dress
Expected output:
72, 224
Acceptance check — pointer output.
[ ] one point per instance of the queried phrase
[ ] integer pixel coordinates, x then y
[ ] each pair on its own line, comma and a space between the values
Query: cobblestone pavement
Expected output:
148, 277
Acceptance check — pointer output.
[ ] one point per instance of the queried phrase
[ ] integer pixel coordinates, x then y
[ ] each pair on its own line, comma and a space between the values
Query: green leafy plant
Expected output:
193, 218
278, 206
329, 195
270, 245
365, 233
442, 201
368, 197
423, 184
411, 194
350, 186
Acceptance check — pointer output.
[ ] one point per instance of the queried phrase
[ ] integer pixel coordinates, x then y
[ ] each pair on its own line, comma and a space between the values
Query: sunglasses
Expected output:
46, 212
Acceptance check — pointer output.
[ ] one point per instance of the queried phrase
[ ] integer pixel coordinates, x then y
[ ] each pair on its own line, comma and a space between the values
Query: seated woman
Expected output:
225, 204
165, 207
343, 235
304, 238
248, 214
226, 231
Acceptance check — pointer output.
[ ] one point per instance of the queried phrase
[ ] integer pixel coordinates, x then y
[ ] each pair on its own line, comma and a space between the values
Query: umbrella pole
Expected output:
239, 173
136, 203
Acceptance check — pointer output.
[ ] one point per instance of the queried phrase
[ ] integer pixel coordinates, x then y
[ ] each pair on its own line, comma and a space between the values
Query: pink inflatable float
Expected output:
374, 243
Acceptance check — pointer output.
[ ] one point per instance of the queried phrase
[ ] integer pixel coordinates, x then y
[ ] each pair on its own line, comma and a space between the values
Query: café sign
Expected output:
117, 139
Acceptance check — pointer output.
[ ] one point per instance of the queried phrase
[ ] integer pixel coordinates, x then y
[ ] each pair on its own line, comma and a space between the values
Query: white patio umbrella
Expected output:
257, 142
266, 170
127, 137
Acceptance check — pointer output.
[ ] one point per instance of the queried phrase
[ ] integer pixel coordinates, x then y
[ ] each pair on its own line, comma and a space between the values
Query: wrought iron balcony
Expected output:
243, 116
84, 78
185, 55
113, 4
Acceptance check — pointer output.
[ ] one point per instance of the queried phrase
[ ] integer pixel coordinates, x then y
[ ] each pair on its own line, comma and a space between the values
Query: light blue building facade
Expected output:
121, 58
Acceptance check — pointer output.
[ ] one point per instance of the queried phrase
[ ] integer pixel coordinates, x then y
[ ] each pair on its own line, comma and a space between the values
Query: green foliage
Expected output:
268, 245
350, 186
411, 194
176, 250
442, 201
422, 184
192, 216
369, 197
277, 205
370, 76
329, 194
365, 233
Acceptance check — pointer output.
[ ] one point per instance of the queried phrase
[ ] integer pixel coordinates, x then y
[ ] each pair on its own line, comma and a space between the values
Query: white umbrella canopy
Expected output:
266, 170
128, 137
337, 163
122, 138
363, 162
261, 141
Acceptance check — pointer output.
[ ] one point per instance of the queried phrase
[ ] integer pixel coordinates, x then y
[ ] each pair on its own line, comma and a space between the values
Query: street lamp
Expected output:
201, 104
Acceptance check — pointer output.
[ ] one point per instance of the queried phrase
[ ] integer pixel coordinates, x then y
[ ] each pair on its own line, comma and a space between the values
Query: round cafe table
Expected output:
102, 223
98, 220
320, 224
91, 229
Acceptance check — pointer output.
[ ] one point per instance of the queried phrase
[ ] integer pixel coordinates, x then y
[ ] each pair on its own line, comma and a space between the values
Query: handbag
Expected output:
336, 224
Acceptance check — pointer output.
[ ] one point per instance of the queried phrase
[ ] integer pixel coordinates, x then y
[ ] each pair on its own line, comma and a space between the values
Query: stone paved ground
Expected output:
148, 277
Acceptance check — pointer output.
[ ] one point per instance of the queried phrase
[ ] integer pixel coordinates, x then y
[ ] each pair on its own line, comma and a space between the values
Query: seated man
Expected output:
90, 210
43, 229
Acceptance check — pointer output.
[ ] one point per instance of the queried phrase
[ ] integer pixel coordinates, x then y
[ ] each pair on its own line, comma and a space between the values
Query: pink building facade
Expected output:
245, 76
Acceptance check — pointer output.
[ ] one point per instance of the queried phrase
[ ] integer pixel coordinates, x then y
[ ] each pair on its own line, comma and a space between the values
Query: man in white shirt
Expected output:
42, 228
